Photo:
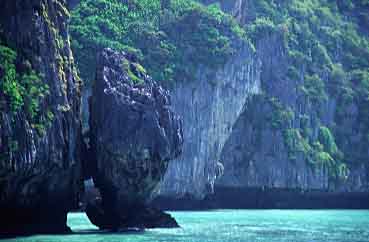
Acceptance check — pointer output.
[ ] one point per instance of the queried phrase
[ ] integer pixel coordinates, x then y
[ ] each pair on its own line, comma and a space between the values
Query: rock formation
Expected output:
285, 109
209, 105
40, 168
260, 148
268, 149
257, 155
133, 134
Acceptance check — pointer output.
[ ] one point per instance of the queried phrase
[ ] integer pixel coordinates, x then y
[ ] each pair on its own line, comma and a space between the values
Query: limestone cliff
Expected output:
258, 153
307, 129
134, 134
40, 168
199, 53
209, 105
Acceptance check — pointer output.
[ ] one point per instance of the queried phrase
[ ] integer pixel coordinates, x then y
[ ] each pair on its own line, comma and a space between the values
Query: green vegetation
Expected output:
280, 117
326, 138
22, 91
171, 41
135, 71
260, 28
328, 55
325, 42
314, 89
314, 32
322, 39
299, 142
324, 151
9, 84
295, 143
333, 156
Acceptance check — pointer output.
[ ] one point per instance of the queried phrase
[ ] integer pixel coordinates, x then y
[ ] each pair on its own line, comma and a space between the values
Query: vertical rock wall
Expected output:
252, 151
257, 153
134, 135
40, 167
210, 105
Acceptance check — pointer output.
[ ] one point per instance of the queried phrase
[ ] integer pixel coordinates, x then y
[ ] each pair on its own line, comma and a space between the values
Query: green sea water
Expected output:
234, 226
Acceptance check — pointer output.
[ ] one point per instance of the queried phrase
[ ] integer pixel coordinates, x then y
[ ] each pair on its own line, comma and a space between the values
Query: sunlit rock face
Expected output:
134, 134
40, 173
209, 105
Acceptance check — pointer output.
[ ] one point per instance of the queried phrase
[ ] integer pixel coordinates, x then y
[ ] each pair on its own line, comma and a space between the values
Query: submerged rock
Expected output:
134, 134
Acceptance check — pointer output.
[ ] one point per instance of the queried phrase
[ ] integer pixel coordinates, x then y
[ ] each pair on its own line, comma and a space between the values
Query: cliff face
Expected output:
39, 119
301, 132
258, 154
209, 105
291, 113
305, 128
134, 134
200, 53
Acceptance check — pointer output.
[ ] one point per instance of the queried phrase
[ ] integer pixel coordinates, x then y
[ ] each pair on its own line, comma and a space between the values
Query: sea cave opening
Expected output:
78, 220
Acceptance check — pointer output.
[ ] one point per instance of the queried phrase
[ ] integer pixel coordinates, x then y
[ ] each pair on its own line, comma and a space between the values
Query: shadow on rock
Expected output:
133, 135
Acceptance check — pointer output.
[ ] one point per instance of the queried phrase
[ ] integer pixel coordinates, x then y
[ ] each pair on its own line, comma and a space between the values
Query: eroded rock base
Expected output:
140, 217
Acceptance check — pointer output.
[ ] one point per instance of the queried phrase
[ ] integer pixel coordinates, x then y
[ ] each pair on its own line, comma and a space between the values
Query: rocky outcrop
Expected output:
243, 133
258, 153
209, 105
144, 217
134, 134
39, 143
256, 156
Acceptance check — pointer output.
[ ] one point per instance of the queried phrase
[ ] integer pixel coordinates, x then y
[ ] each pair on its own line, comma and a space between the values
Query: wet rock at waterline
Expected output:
134, 134
137, 217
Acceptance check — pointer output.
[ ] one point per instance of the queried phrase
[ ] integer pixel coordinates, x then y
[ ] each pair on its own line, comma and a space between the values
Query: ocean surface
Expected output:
233, 226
